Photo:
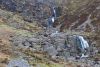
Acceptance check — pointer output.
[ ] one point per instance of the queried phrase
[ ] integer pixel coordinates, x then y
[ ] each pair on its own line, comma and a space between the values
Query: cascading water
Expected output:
82, 45
54, 12
51, 19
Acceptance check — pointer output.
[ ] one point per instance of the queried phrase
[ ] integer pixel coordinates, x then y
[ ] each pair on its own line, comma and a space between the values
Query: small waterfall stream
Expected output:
82, 44
51, 19
54, 12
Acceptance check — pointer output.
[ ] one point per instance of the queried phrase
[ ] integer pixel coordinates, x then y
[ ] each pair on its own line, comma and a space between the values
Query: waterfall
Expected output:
54, 12
83, 43
51, 19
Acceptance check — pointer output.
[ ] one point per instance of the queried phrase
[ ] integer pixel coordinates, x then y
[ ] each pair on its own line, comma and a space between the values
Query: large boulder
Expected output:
18, 63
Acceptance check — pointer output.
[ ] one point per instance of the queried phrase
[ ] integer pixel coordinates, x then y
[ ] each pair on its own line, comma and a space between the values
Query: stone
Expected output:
50, 50
71, 59
18, 63
60, 46
97, 65
35, 40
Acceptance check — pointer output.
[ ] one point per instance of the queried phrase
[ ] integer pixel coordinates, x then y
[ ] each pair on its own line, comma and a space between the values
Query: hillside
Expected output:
29, 39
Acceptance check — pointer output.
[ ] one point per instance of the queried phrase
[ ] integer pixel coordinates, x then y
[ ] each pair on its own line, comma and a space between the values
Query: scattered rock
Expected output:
18, 63
50, 50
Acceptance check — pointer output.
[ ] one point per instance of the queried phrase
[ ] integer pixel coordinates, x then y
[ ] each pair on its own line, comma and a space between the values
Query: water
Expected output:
83, 45
51, 19
54, 12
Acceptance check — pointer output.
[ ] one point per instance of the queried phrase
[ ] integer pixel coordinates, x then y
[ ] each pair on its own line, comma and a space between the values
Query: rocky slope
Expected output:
84, 17
23, 35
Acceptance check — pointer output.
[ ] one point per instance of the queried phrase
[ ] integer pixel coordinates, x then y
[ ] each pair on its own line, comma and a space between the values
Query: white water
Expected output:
54, 11
84, 43
53, 19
